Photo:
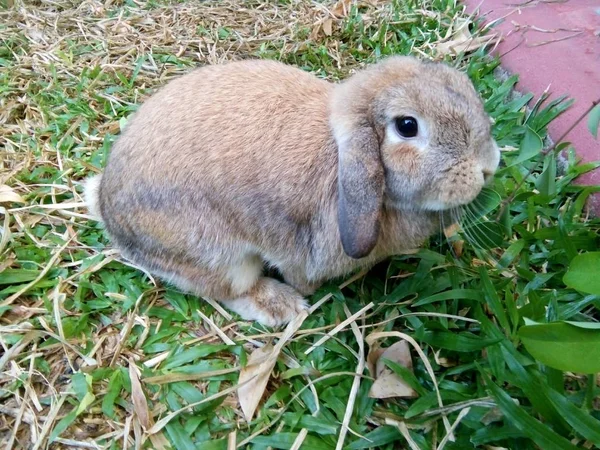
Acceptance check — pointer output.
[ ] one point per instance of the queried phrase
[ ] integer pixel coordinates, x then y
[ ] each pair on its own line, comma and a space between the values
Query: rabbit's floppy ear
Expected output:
360, 184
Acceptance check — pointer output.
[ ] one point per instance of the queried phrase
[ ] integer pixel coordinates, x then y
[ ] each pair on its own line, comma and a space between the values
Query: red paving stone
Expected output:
570, 66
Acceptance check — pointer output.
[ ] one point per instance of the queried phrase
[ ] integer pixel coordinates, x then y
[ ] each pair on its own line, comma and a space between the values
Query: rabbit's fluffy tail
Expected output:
91, 192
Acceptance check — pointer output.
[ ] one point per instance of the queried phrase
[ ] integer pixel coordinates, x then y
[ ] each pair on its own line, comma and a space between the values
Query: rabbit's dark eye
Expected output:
407, 126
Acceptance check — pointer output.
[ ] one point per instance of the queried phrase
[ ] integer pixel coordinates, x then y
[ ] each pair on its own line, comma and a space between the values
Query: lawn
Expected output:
491, 330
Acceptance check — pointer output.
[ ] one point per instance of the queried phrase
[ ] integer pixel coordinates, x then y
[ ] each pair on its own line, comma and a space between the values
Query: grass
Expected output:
97, 355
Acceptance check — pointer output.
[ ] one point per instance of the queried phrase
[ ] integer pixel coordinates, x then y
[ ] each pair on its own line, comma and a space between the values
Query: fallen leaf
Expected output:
8, 195
314, 34
463, 41
159, 442
387, 384
140, 405
451, 230
254, 378
328, 27
375, 353
493, 415
341, 8
458, 247
444, 362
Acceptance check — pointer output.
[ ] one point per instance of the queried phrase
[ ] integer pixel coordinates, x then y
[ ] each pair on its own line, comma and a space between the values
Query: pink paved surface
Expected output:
570, 66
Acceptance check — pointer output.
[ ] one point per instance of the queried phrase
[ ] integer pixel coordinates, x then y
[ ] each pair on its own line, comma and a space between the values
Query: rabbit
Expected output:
236, 167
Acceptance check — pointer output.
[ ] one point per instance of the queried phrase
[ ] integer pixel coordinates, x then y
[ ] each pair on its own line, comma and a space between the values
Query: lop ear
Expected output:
360, 186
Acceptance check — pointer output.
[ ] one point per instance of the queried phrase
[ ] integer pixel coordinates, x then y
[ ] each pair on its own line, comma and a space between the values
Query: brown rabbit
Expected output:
234, 167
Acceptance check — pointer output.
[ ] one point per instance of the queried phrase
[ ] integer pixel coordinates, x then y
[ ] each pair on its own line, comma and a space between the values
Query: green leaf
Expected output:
587, 325
486, 202
463, 342
112, 393
485, 235
191, 354
179, 437
563, 346
546, 183
405, 375
454, 294
62, 425
539, 433
493, 301
584, 273
511, 253
594, 121
286, 440
14, 276
378, 437
531, 146
215, 444
583, 423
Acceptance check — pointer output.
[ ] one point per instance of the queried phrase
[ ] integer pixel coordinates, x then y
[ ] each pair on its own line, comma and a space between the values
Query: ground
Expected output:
96, 354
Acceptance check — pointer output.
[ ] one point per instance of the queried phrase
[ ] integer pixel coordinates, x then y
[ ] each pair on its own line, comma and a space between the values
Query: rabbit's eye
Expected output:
407, 126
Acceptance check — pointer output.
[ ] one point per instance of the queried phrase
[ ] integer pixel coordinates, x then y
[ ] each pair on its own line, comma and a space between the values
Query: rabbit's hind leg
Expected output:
242, 289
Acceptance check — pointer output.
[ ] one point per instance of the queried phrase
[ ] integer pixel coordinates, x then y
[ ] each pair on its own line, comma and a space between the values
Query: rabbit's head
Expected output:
411, 134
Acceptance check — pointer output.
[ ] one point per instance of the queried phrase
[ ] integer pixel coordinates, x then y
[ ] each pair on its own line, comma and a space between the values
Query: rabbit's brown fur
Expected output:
255, 163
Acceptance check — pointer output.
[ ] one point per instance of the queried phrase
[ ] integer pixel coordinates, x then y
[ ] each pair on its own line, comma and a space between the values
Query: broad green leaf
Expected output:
539, 433
587, 325
594, 121
584, 273
531, 146
563, 346
546, 183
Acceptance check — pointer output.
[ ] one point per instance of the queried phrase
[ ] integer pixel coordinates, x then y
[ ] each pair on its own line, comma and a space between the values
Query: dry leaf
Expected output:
458, 247
140, 405
387, 383
462, 41
444, 362
8, 195
493, 415
375, 352
451, 230
159, 442
341, 8
260, 364
255, 376
328, 27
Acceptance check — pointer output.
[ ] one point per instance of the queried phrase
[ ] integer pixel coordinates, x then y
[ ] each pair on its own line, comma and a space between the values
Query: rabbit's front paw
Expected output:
269, 302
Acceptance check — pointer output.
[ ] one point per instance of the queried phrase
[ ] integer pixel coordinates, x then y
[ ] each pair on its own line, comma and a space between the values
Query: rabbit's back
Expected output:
225, 151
